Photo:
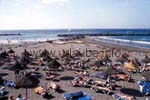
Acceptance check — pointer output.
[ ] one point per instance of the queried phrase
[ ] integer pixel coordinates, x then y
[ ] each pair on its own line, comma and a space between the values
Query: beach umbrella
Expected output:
146, 75
77, 53
47, 58
27, 81
63, 53
123, 58
130, 66
54, 64
1, 80
146, 59
18, 66
11, 51
25, 59
125, 55
136, 62
66, 60
26, 53
99, 63
110, 71
44, 53
4, 55
106, 59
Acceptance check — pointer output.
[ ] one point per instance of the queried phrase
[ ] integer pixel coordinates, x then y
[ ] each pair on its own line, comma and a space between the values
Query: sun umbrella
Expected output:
11, 51
18, 66
130, 66
4, 55
27, 81
137, 62
26, 53
44, 53
99, 63
54, 64
106, 59
110, 71
123, 58
146, 59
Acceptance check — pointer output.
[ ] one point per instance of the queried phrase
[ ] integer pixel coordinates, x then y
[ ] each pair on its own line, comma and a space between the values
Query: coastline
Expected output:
85, 40
118, 46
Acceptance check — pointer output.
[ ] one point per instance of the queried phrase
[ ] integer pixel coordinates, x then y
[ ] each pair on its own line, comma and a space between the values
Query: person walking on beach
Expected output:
11, 97
20, 97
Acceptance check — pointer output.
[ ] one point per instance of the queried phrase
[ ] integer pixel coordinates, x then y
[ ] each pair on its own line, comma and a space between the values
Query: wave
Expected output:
125, 40
32, 40
133, 43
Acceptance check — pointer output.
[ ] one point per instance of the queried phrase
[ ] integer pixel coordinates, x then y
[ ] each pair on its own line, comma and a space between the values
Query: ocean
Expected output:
44, 35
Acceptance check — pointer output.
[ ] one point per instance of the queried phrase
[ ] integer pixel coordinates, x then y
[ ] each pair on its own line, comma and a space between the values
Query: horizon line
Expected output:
75, 29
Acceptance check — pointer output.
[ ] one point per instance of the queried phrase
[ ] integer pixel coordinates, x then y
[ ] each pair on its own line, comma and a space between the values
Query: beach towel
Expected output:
9, 83
88, 97
71, 96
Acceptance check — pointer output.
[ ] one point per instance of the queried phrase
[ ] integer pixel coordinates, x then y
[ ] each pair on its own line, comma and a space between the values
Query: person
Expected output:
11, 97
20, 97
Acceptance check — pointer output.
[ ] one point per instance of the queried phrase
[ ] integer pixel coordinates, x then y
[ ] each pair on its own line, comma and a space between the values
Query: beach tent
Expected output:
130, 66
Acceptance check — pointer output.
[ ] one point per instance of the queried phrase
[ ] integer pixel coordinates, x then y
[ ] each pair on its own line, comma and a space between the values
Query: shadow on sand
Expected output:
131, 92
67, 78
3, 74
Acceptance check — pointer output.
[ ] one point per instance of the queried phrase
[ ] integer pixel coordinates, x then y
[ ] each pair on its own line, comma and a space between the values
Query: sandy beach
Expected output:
67, 75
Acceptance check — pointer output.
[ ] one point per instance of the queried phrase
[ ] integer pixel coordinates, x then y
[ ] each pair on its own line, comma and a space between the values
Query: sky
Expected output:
64, 14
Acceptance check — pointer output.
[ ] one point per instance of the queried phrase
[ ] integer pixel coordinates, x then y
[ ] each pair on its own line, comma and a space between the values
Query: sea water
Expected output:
44, 35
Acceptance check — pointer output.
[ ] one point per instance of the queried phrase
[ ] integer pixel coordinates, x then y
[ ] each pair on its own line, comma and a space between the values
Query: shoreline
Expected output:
118, 46
79, 41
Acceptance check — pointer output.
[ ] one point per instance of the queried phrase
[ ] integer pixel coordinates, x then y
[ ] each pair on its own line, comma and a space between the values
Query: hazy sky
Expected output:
52, 14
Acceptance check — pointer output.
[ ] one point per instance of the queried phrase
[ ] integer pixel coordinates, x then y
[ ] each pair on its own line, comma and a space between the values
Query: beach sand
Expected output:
87, 44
